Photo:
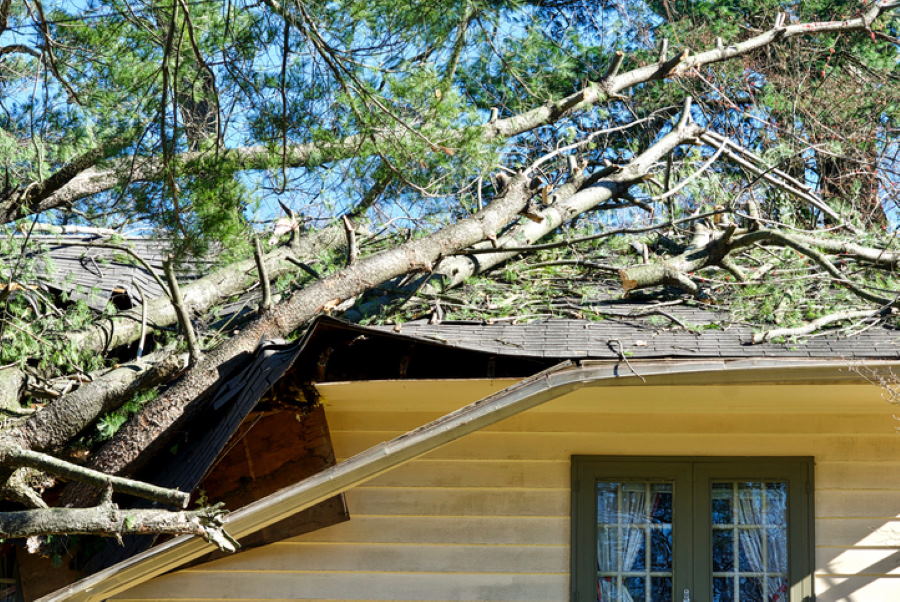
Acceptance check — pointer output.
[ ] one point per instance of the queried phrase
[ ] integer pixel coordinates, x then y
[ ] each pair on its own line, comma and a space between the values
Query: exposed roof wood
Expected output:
206, 438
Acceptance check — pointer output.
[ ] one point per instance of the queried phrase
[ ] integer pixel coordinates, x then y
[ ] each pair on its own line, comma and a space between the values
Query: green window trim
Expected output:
692, 478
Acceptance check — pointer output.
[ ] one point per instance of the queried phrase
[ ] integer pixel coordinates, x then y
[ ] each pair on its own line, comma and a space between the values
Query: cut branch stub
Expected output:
628, 283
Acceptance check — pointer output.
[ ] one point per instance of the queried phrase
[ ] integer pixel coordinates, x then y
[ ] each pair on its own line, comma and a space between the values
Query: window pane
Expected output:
661, 589
776, 540
749, 503
750, 551
721, 504
661, 503
607, 496
723, 589
776, 503
778, 589
723, 550
607, 589
636, 589
751, 589
634, 552
634, 503
661, 549
607, 549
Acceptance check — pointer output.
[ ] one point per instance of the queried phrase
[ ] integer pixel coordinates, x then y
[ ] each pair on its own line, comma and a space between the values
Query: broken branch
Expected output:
814, 325
110, 521
11, 455
266, 301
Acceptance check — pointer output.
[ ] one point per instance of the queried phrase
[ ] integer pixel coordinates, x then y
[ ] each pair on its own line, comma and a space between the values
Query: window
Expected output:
691, 529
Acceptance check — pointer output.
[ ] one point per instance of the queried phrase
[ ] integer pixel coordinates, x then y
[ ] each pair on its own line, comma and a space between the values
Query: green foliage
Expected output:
30, 321
111, 422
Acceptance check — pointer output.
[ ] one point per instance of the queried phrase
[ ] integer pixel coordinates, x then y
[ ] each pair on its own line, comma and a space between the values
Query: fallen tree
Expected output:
557, 160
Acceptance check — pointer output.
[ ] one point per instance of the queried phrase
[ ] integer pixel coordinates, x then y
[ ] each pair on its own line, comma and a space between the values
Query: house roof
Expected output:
635, 337
94, 274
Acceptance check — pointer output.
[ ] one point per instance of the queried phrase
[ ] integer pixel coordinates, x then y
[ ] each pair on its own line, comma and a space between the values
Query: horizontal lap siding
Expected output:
487, 517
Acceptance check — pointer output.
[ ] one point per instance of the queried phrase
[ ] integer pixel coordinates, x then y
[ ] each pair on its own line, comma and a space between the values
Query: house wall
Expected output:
487, 517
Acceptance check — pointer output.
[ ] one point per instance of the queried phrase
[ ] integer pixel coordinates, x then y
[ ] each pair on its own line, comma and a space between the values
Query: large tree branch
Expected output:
567, 202
51, 427
714, 249
77, 179
90, 180
110, 521
816, 325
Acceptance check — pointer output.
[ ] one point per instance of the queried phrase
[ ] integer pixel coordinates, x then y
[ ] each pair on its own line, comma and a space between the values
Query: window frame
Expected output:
691, 477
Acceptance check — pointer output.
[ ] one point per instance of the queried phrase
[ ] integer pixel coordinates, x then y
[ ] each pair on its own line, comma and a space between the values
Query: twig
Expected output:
620, 351
304, 266
691, 177
140, 345
783, 181
614, 65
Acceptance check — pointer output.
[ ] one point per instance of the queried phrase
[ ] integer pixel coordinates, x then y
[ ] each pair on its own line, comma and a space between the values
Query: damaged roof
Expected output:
74, 264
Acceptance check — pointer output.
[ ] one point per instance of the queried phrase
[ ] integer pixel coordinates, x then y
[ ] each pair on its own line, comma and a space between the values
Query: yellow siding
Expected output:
487, 517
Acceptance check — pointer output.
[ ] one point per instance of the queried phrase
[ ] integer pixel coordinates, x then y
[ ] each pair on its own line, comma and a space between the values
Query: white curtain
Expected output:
750, 512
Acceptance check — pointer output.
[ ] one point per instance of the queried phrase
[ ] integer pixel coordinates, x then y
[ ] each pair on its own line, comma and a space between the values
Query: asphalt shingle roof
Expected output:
94, 274
638, 338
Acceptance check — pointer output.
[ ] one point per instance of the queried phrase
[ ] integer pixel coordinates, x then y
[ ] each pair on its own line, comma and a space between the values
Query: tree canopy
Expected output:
364, 158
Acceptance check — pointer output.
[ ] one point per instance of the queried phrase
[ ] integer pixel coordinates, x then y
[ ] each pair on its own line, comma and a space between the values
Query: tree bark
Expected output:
16, 457
51, 427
